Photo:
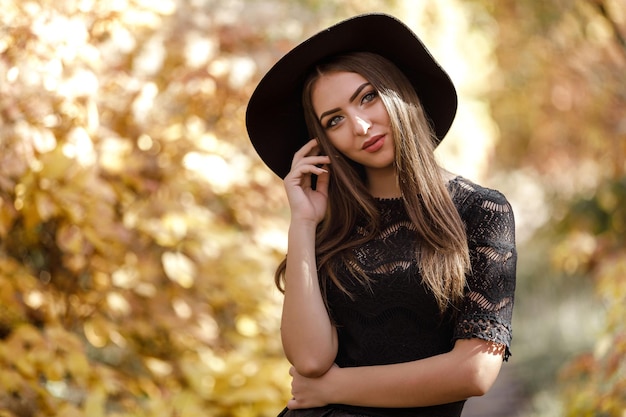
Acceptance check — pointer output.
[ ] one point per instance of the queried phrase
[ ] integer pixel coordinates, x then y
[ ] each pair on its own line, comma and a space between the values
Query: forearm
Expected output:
308, 337
468, 370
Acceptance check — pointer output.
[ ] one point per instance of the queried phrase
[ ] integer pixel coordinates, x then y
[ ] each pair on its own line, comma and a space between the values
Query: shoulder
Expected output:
487, 214
469, 196
466, 191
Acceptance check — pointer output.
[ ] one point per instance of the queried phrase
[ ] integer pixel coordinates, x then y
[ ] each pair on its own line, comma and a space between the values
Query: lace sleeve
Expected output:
487, 308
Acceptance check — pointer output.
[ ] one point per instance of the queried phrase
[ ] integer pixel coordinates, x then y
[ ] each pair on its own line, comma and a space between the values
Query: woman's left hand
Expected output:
311, 392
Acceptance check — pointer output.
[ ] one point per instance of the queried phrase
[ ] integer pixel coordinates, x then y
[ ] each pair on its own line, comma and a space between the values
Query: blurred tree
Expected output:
559, 101
563, 66
595, 230
129, 253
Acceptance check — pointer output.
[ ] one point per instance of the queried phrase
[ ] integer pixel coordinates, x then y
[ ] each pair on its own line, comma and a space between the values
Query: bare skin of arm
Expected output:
308, 336
469, 369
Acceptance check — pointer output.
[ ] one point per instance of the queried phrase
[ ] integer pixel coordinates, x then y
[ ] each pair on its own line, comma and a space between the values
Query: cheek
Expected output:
383, 114
338, 141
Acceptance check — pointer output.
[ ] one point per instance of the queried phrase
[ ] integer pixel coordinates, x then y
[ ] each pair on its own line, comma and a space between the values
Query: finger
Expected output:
307, 148
301, 173
311, 160
322, 181
317, 160
311, 148
292, 404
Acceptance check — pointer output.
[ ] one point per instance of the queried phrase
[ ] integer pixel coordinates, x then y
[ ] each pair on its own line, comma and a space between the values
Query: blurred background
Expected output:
139, 231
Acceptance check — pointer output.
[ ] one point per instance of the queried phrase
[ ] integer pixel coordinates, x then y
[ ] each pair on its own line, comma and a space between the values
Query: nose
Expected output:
361, 126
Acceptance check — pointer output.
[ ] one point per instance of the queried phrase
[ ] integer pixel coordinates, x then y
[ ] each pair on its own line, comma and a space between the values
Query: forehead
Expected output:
334, 89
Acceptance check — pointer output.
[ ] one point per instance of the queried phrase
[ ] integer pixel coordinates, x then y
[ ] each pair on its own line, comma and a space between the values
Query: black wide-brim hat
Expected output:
275, 116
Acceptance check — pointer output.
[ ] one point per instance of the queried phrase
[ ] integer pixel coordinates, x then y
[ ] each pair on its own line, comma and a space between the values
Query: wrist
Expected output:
333, 386
305, 225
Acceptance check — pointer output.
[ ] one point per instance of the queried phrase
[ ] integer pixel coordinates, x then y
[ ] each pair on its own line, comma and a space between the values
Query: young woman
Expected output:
399, 278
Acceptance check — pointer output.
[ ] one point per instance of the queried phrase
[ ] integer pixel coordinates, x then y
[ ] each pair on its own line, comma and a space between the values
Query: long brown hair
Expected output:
442, 252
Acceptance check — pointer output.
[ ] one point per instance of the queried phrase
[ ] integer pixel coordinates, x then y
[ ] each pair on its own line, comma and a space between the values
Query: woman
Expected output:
400, 277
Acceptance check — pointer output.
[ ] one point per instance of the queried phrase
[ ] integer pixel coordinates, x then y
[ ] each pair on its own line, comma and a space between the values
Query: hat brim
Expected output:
275, 117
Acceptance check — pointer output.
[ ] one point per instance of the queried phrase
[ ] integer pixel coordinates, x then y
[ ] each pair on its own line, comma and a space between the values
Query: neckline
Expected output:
384, 199
452, 180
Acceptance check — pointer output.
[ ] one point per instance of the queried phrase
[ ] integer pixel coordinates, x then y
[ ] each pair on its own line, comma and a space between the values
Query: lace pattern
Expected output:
395, 318
487, 308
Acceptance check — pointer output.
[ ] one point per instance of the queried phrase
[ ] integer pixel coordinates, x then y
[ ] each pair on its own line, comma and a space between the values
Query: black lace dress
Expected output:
397, 319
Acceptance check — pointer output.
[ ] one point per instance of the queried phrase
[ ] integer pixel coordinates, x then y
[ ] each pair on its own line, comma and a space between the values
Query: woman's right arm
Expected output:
309, 339
308, 336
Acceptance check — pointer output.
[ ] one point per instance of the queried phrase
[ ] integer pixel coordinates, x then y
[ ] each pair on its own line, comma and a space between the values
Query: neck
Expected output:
383, 183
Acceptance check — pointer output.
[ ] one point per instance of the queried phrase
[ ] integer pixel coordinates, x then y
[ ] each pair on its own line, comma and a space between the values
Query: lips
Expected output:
374, 143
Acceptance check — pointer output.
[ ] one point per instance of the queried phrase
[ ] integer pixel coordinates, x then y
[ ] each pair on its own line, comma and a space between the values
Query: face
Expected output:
355, 119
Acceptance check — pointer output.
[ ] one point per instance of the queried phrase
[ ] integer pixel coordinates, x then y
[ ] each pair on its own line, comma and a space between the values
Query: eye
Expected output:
369, 96
333, 121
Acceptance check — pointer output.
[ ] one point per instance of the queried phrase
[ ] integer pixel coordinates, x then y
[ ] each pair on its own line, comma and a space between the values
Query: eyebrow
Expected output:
352, 98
